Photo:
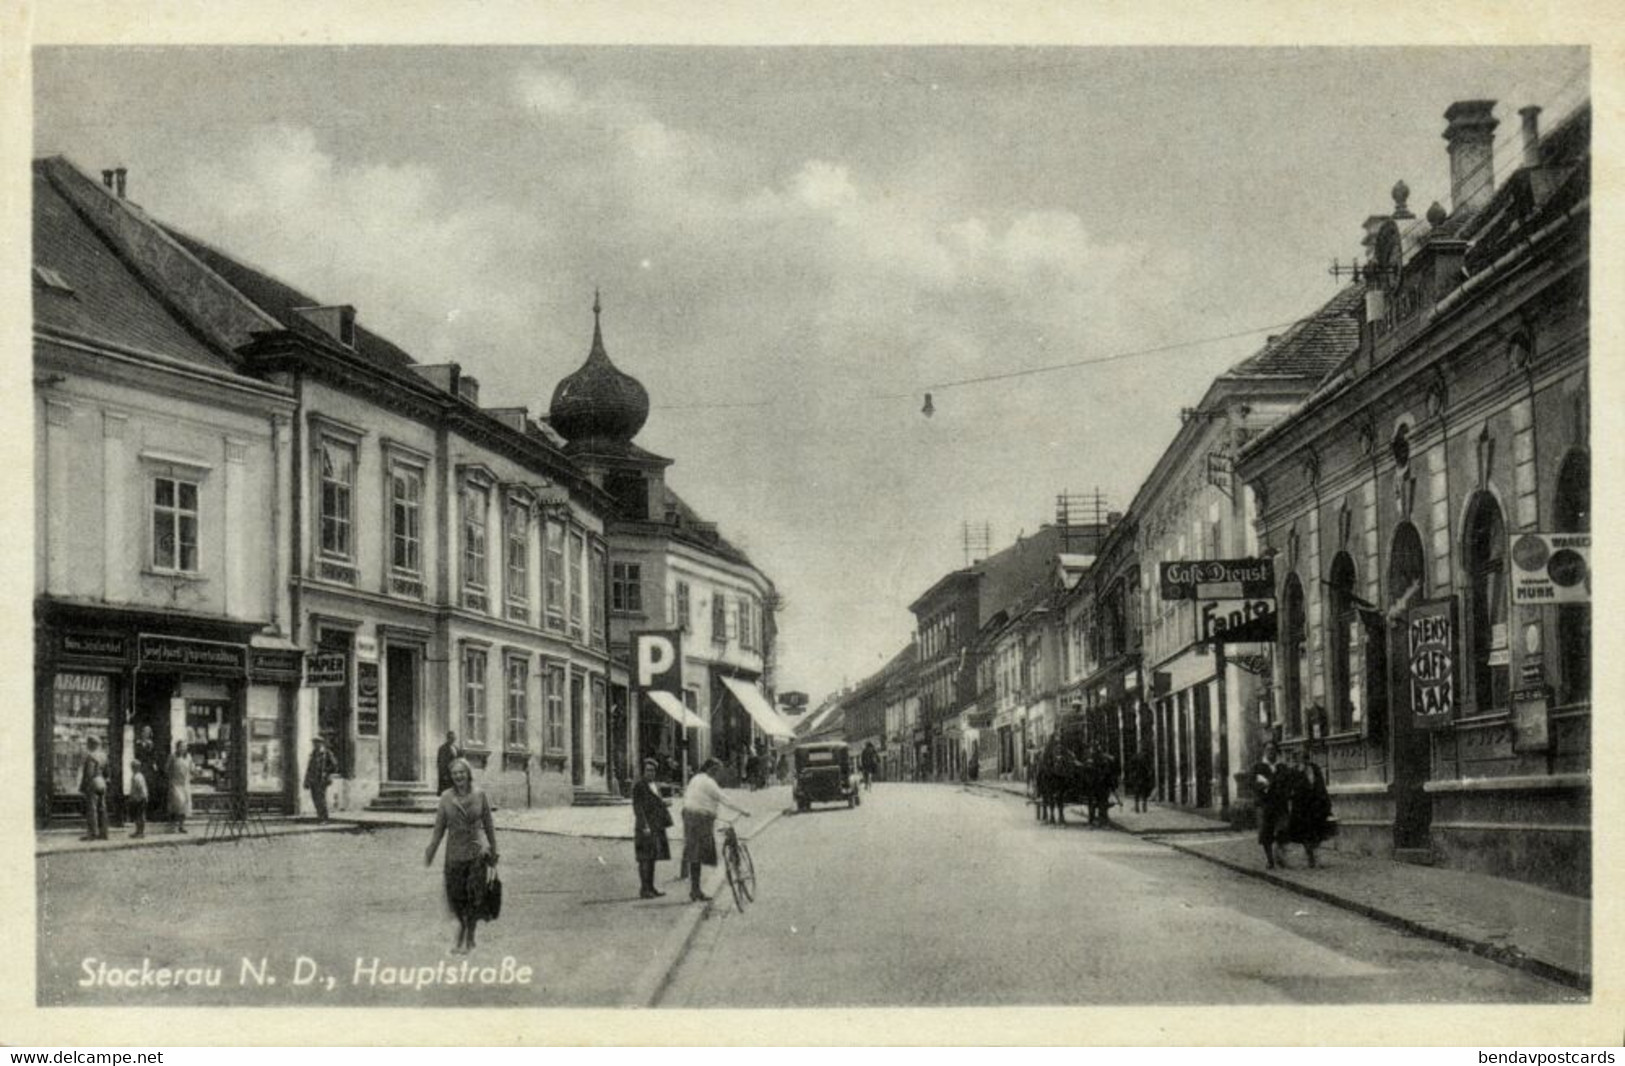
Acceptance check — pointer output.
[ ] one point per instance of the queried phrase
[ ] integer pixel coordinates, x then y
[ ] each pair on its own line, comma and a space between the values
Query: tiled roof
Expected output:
106, 300
710, 541
1313, 347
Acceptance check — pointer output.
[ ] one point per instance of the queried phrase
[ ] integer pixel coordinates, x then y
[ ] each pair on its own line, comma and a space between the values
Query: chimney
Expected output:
1471, 136
468, 387
1531, 135
107, 179
118, 181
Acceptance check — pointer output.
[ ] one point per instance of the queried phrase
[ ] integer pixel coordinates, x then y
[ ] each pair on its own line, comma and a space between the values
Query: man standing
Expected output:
869, 763
1270, 788
319, 774
701, 799
449, 753
93, 787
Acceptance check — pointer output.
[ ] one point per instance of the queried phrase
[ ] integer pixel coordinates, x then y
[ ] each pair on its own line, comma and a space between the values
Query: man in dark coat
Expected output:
449, 753
1141, 778
1270, 786
869, 763
650, 820
319, 773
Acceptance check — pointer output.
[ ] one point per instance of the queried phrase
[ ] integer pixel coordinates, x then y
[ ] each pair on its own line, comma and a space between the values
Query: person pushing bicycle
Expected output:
701, 801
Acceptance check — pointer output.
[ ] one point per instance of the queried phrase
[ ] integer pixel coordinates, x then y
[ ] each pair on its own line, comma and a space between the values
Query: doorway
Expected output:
578, 733
401, 695
1413, 747
1202, 747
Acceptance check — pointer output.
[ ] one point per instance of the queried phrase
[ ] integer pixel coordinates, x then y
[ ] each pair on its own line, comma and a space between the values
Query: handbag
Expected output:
493, 895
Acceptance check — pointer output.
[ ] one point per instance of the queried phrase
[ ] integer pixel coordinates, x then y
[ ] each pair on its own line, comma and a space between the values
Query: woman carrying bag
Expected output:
464, 813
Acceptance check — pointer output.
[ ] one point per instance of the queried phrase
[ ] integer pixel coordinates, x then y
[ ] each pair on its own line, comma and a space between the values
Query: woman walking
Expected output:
180, 787
1309, 805
464, 812
650, 820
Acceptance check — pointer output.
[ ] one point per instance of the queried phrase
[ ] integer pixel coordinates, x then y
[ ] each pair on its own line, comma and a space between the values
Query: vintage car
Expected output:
824, 775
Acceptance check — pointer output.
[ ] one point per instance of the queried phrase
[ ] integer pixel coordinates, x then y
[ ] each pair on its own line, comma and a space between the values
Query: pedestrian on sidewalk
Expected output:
650, 820
449, 753
1273, 804
149, 758
1309, 805
180, 787
319, 773
1141, 779
463, 814
135, 804
93, 787
701, 801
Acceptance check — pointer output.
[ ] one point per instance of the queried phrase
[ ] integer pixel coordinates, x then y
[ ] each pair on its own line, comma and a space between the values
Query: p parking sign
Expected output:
657, 661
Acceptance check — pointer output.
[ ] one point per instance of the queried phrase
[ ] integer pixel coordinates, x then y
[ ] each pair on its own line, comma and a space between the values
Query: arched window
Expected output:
1407, 581
1294, 654
1345, 643
1486, 567
1572, 514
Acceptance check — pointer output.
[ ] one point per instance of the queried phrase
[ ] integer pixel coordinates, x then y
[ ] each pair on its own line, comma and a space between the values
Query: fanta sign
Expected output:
1238, 621
657, 660
1431, 651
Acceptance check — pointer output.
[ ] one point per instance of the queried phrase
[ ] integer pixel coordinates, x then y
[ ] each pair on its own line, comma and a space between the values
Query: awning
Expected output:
756, 705
674, 707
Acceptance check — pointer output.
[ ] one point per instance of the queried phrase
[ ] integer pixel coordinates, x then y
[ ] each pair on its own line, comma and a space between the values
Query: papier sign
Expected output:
657, 661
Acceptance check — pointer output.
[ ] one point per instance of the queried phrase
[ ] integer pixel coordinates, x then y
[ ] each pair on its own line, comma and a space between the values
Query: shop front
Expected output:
143, 685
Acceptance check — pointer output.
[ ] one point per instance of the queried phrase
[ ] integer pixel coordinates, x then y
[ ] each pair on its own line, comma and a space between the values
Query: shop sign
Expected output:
1218, 579
366, 698
275, 664
194, 656
327, 669
1551, 568
657, 657
94, 645
1248, 621
1529, 722
1431, 633
366, 648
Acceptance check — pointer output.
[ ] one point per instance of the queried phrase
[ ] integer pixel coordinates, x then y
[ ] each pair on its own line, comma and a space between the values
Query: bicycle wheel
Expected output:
747, 873
730, 865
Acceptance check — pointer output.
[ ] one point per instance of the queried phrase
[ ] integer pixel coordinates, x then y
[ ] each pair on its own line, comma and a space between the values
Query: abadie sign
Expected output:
1430, 644
1237, 621
657, 661
1218, 579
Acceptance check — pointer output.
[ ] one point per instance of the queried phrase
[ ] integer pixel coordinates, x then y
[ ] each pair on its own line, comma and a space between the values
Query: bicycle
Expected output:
737, 864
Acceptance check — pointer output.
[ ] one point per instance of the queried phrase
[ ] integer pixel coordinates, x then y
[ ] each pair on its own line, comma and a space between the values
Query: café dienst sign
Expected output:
1218, 579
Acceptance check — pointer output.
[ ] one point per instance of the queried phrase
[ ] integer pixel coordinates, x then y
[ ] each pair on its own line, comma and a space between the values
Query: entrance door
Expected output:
401, 688
1413, 748
1202, 747
578, 734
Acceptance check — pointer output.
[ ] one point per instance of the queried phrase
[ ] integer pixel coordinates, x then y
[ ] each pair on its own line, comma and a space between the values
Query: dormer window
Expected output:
337, 321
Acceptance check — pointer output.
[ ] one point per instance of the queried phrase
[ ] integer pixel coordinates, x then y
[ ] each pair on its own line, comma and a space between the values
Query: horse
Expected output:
1055, 782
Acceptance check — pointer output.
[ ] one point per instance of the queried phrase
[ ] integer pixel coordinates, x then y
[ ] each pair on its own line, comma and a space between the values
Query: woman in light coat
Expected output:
180, 787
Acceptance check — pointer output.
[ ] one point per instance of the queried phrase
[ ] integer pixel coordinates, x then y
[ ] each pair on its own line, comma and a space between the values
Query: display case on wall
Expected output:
81, 707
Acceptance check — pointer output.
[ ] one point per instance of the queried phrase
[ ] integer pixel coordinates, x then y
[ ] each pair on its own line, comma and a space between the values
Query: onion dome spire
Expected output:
599, 405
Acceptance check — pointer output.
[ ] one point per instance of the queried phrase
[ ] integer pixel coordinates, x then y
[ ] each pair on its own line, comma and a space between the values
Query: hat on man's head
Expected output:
651, 761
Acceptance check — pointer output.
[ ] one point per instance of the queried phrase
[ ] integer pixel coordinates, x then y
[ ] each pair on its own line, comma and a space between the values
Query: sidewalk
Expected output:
1529, 928
69, 841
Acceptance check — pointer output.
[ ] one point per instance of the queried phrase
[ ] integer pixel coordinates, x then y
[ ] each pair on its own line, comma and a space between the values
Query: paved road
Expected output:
930, 895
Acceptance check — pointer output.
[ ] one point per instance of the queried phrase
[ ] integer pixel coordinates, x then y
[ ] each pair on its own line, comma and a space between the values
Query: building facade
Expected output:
1429, 653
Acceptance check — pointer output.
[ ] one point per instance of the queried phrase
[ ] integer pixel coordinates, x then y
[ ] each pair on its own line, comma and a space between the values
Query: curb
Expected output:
652, 983
1507, 956
1072, 808
188, 840
395, 823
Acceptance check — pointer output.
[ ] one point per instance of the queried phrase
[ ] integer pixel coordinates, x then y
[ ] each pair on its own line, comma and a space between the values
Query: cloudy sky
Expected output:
794, 245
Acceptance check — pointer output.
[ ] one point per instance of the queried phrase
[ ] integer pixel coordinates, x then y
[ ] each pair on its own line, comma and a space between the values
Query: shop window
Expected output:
516, 730
1294, 653
333, 707
626, 587
1572, 514
81, 708
474, 661
406, 529
554, 737
174, 525
516, 560
267, 752
1347, 678
1486, 568
554, 577
475, 501
336, 518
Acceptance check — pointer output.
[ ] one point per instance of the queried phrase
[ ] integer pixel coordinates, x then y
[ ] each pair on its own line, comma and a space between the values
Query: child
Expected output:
136, 801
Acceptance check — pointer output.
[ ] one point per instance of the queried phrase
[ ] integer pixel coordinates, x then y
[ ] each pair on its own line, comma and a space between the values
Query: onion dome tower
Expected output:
598, 408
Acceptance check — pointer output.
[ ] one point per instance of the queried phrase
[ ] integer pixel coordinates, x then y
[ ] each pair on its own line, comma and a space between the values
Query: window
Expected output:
516, 552
553, 736
337, 515
474, 697
1294, 655
600, 720
719, 618
626, 587
578, 582
1489, 650
747, 623
681, 621
1345, 620
475, 501
174, 525
518, 717
1573, 515
406, 520
595, 585
553, 569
